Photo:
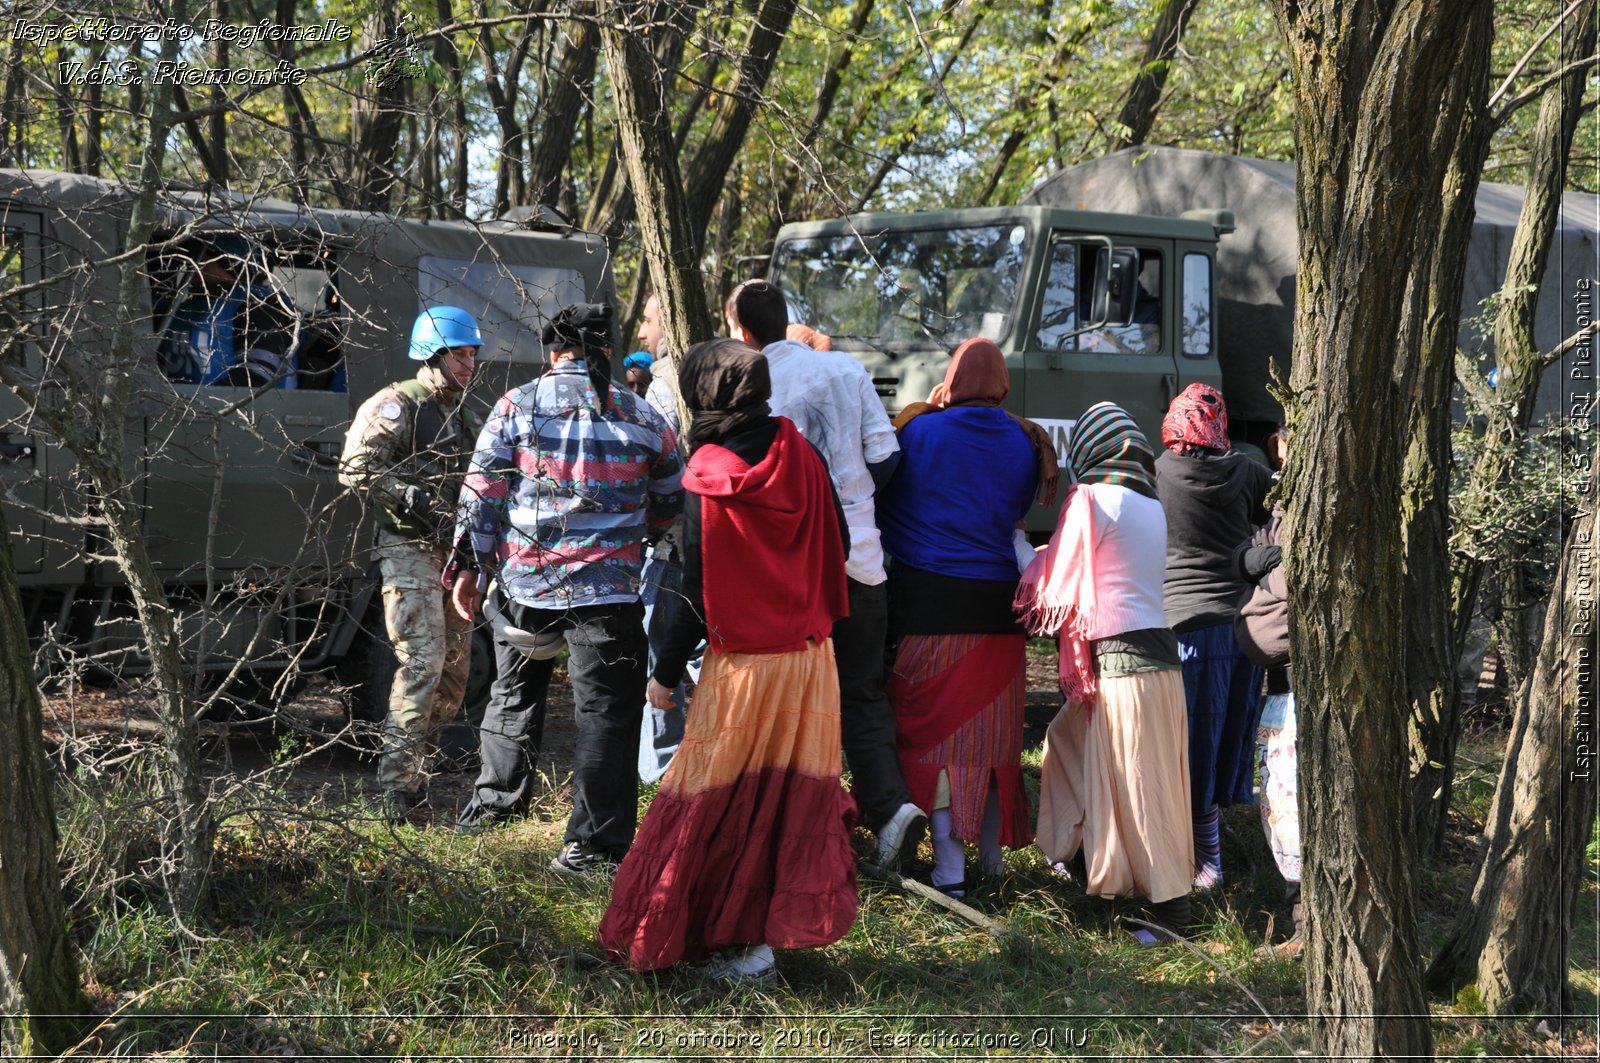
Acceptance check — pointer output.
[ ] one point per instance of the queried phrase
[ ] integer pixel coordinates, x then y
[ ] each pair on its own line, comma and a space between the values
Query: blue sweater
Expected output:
966, 476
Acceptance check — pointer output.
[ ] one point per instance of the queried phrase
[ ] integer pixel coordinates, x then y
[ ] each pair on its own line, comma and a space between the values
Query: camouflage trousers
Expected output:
432, 646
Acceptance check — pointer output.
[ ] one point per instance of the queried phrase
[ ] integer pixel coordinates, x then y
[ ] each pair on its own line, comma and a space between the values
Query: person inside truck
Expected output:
229, 326
1141, 333
1214, 498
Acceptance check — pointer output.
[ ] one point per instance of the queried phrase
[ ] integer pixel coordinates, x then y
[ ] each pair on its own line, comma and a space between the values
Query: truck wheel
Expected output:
367, 670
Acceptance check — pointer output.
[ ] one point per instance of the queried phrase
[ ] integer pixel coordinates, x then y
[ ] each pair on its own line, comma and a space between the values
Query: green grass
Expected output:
333, 934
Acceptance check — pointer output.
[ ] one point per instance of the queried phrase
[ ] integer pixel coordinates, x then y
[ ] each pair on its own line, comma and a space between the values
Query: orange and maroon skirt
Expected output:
748, 840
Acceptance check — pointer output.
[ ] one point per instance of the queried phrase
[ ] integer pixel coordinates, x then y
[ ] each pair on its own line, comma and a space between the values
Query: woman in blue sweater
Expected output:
968, 473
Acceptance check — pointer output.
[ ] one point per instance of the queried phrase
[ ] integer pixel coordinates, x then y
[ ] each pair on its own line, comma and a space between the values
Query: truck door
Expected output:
241, 470
1069, 368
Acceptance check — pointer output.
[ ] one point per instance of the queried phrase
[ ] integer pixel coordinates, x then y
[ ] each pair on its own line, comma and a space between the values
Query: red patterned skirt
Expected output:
748, 840
958, 703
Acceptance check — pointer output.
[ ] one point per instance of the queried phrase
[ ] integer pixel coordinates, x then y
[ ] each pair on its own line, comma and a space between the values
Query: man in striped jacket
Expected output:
570, 475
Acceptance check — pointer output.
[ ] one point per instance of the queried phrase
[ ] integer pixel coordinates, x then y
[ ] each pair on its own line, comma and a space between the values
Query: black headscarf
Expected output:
586, 328
726, 385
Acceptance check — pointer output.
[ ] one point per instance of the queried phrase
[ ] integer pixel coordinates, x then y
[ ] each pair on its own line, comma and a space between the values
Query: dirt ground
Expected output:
333, 759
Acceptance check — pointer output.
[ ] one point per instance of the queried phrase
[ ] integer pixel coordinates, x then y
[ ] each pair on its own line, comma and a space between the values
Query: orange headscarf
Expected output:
977, 376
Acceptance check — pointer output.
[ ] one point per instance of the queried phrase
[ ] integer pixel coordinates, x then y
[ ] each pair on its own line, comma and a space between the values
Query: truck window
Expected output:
511, 302
1143, 334
1058, 308
232, 311
906, 288
1197, 315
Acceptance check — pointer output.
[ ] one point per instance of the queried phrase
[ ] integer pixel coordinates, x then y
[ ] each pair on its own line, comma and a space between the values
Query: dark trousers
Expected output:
866, 720
606, 663
1222, 687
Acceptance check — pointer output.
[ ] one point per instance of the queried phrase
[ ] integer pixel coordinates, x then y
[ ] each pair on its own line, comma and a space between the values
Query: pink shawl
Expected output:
1056, 594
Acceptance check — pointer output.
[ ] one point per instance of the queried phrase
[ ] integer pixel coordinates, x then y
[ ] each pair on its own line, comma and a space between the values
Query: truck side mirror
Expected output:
1116, 286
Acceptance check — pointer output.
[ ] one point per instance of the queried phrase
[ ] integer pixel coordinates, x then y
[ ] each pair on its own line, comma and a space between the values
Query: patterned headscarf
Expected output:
1107, 447
1059, 593
1197, 418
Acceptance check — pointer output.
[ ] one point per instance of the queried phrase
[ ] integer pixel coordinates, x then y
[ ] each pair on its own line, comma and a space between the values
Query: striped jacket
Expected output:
560, 492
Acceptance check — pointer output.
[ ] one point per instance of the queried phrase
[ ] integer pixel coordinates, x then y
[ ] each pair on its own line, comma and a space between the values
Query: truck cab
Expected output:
1086, 306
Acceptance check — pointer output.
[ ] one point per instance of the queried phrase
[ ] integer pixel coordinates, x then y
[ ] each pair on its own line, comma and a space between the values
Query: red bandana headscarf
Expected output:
1197, 419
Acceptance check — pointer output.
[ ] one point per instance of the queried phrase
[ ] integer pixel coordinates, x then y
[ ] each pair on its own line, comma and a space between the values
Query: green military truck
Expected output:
1127, 278
1087, 306
263, 553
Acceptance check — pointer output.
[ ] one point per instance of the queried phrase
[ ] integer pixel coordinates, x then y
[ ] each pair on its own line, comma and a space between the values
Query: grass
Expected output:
335, 935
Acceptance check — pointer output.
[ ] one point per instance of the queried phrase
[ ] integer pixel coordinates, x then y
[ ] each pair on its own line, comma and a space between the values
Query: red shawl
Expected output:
773, 571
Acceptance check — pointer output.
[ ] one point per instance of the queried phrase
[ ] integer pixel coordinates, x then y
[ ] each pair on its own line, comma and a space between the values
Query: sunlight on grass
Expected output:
333, 933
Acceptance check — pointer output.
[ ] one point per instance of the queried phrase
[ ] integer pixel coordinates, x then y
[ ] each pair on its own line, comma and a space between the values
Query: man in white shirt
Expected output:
831, 400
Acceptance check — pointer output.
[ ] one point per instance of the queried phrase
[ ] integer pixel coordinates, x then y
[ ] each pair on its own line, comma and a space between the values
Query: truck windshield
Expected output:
905, 288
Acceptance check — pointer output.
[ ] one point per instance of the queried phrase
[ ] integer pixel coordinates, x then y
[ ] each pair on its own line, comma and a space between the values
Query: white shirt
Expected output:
663, 394
1130, 560
830, 398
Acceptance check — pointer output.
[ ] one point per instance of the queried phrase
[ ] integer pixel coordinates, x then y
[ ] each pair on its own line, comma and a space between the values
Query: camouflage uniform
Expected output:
406, 451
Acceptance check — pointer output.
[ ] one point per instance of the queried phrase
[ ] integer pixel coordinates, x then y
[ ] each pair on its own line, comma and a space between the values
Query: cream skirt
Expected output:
1115, 783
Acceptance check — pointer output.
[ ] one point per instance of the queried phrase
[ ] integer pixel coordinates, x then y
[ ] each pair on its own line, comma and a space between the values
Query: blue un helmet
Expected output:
442, 326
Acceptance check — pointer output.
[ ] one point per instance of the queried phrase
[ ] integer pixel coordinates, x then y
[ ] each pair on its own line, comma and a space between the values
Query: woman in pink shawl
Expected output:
1114, 791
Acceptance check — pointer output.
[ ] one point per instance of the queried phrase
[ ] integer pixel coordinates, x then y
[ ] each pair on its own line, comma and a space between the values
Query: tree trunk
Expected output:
1381, 94
38, 968
1144, 96
1425, 479
12, 128
1436, 701
670, 22
511, 175
708, 167
219, 99
1514, 936
448, 56
102, 459
94, 121
645, 131
562, 106
377, 110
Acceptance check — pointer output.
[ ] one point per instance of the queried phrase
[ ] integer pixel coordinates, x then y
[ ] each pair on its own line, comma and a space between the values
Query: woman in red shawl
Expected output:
747, 844
968, 473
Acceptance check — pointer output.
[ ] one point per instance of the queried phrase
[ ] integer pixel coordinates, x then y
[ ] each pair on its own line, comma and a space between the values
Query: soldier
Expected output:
406, 452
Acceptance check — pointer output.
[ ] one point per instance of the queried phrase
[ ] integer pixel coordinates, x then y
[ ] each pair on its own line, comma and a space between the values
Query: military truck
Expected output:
1087, 306
264, 555
1124, 278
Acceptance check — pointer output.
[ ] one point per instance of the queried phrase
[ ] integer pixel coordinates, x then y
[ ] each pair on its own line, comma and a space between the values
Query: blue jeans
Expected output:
661, 730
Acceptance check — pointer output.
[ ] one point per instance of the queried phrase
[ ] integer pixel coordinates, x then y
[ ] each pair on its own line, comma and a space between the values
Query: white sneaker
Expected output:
754, 963
900, 835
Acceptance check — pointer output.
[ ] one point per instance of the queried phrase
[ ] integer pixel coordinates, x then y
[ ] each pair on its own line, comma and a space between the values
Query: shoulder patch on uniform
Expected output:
389, 411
